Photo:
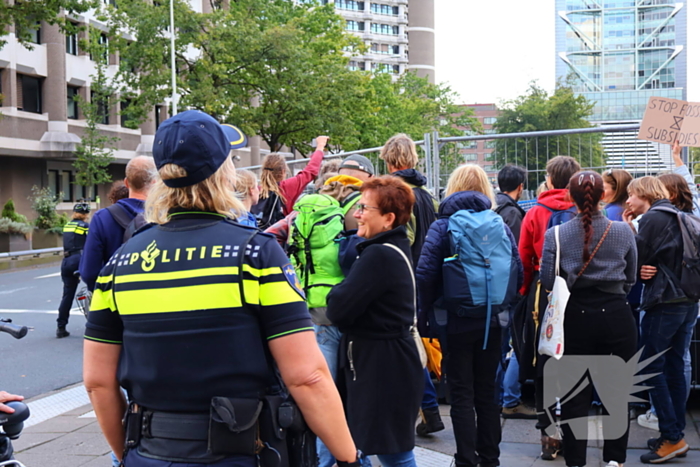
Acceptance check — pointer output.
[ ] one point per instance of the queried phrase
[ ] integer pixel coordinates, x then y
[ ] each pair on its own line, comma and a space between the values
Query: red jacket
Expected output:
532, 232
292, 187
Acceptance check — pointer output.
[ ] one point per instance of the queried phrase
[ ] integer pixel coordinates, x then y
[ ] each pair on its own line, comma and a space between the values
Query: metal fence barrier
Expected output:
600, 147
15, 255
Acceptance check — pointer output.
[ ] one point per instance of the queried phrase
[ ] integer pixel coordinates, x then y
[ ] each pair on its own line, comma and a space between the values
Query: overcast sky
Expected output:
488, 51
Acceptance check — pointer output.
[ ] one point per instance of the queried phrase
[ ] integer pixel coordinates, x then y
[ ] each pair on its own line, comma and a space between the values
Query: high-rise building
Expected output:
619, 53
390, 28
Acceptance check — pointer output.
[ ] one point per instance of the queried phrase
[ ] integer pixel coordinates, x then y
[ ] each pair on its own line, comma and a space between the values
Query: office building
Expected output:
481, 152
391, 28
619, 53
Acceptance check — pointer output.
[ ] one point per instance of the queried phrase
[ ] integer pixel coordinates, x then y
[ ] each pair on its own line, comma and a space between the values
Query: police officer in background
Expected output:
74, 235
186, 315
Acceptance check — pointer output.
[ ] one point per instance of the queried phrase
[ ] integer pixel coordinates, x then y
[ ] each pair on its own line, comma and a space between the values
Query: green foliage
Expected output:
276, 69
8, 226
94, 153
24, 15
9, 212
539, 111
413, 106
44, 204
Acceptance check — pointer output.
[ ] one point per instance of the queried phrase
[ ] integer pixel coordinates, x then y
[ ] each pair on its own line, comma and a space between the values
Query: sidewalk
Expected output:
73, 438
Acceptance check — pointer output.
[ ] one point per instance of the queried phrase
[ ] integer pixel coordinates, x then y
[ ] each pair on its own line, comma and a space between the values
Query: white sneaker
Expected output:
648, 420
614, 464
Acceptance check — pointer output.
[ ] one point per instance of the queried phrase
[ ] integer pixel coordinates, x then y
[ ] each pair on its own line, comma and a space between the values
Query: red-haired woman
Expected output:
599, 265
380, 375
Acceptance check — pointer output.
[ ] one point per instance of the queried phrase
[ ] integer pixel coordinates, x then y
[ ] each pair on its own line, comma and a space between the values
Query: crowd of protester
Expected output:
380, 260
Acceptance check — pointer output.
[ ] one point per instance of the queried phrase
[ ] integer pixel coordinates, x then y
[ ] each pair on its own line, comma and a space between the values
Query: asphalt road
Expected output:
39, 362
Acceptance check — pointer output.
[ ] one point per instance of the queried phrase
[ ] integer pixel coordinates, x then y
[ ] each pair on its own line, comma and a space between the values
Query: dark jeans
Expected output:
472, 380
70, 285
668, 327
605, 327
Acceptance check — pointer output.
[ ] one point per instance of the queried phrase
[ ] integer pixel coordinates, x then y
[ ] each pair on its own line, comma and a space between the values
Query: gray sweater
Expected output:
612, 270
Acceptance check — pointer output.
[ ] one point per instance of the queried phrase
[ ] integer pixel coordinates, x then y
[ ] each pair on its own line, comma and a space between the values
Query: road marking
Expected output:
56, 404
5, 292
55, 274
73, 311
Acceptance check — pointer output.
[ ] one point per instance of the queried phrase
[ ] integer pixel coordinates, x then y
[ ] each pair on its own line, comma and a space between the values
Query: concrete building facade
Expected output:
41, 123
400, 35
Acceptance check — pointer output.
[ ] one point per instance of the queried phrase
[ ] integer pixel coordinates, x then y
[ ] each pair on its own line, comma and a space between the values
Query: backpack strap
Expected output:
120, 215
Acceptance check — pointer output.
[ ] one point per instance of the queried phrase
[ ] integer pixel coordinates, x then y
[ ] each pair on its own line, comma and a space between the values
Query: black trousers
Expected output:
596, 325
70, 285
472, 381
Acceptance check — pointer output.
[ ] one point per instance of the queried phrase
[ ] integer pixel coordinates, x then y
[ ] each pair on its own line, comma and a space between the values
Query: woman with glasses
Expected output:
615, 184
380, 375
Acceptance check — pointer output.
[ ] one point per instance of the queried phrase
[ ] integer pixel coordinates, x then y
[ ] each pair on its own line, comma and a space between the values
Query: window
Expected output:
126, 119
104, 42
34, 33
385, 29
72, 107
380, 9
61, 185
350, 5
385, 49
488, 168
470, 156
355, 66
29, 93
355, 25
160, 115
102, 108
385, 68
490, 144
72, 44
467, 144
490, 120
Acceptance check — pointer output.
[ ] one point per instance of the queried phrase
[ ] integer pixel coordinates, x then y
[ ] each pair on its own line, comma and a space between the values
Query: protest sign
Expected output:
668, 120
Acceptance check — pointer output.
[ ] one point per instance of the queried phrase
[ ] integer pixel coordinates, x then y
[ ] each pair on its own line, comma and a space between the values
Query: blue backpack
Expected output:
480, 278
559, 216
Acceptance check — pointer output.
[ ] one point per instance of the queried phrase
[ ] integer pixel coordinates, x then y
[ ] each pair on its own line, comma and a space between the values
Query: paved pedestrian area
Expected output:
65, 433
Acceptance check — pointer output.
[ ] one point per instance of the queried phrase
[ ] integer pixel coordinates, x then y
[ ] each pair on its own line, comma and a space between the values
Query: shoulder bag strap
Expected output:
558, 259
413, 279
597, 247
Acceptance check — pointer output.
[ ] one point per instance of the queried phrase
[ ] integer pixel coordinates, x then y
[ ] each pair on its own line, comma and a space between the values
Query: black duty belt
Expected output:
67, 254
172, 425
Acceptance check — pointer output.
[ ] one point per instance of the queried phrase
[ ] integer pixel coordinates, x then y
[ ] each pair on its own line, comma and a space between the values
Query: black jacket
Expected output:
660, 244
380, 376
424, 210
511, 212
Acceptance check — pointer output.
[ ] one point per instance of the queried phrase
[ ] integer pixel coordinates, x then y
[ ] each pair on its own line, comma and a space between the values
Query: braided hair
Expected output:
586, 189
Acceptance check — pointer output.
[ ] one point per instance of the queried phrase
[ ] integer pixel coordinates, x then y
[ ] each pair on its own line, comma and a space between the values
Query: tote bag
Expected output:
552, 325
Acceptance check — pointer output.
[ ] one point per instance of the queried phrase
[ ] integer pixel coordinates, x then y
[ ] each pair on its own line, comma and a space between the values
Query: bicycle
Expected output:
12, 423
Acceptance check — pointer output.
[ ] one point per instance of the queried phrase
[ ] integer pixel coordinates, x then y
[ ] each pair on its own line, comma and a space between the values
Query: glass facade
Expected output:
618, 53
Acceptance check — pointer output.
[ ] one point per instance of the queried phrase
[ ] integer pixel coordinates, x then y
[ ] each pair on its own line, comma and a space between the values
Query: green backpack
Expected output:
313, 245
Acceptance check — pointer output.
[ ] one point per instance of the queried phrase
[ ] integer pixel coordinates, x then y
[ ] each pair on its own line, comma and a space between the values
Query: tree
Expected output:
539, 111
94, 153
25, 15
413, 106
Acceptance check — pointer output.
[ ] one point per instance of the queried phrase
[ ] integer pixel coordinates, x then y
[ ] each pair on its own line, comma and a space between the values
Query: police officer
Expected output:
187, 313
74, 235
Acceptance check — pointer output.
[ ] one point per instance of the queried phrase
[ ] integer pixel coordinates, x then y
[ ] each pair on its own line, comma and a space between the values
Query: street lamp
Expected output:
172, 56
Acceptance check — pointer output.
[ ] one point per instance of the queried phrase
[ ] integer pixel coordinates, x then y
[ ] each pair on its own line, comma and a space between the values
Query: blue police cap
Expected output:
196, 142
